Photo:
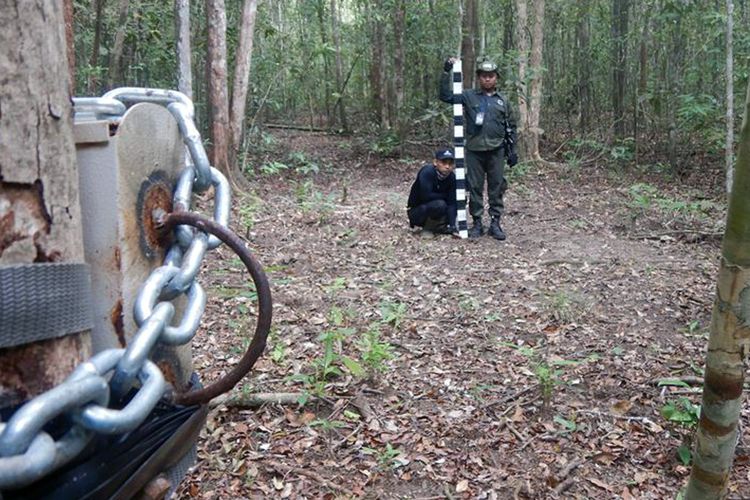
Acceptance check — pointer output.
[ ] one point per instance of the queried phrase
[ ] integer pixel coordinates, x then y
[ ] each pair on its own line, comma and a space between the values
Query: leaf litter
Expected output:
474, 369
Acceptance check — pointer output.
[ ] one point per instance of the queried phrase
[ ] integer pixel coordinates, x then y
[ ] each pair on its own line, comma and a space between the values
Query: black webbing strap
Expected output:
43, 301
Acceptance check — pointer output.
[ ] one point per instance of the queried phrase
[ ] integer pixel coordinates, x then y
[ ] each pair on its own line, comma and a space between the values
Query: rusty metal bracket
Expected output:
265, 303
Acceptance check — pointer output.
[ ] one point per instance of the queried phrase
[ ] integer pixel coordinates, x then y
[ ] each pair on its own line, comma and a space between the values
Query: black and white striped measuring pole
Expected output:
458, 144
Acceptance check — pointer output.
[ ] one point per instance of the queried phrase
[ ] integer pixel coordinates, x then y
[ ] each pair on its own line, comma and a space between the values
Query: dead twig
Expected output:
645, 420
256, 400
521, 438
563, 475
677, 232
312, 475
687, 379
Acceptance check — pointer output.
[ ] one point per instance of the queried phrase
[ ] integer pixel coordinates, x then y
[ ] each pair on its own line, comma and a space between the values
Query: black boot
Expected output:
495, 230
476, 230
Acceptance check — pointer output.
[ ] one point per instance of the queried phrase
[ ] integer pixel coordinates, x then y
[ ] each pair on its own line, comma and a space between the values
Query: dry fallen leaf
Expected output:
462, 486
622, 407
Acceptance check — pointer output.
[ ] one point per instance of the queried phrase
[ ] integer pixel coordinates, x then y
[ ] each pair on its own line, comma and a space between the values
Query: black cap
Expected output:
444, 154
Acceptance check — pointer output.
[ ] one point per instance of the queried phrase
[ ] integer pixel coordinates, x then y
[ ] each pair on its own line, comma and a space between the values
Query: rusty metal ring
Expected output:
265, 305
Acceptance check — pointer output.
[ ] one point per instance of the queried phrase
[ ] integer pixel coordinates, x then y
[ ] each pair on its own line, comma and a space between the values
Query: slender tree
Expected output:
184, 59
338, 66
469, 26
619, 66
399, 26
92, 80
729, 152
242, 71
716, 437
216, 69
531, 75
115, 69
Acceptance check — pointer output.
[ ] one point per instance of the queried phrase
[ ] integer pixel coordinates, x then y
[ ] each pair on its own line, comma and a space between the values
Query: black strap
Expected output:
43, 301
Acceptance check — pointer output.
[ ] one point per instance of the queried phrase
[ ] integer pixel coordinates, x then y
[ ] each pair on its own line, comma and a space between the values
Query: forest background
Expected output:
634, 82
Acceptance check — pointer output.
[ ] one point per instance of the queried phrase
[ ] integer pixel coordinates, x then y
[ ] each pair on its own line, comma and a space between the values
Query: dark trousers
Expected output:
436, 211
489, 165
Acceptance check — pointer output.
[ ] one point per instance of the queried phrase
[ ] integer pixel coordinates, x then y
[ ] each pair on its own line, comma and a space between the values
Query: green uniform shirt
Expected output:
491, 134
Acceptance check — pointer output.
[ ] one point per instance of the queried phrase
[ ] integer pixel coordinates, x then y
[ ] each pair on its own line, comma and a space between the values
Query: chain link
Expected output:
27, 453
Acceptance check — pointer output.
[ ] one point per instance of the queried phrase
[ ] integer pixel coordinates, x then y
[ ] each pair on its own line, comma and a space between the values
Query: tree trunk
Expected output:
522, 35
530, 101
716, 437
40, 218
583, 63
221, 153
377, 65
469, 25
242, 71
70, 49
339, 70
619, 67
320, 8
729, 154
182, 35
92, 80
115, 71
399, 15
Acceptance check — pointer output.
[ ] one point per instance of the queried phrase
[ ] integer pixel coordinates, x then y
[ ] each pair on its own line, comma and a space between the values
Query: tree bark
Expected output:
716, 437
320, 8
242, 71
115, 70
583, 63
40, 218
619, 68
338, 67
377, 65
92, 80
182, 36
469, 25
522, 21
220, 151
530, 74
729, 154
399, 15
70, 49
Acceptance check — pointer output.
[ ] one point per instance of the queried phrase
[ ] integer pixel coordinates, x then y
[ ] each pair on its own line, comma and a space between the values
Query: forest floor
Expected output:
435, 367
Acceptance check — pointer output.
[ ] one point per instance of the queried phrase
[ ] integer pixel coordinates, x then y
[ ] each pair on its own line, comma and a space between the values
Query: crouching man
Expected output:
432, 199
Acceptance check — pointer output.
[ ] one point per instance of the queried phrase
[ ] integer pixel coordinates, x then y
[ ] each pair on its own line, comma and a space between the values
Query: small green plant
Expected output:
273, 168
567, 425
682, 412
565, 306
548, 378
385, 144
517, 173
312, 200
386, 457
548, 373
248, 210
302, 163
335, 286
642, 196
468, 303
374, 352
686, 415
623, 151
392, 313
326, 424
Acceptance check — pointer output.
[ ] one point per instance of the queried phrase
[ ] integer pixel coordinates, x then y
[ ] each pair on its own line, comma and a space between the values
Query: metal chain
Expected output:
90, 396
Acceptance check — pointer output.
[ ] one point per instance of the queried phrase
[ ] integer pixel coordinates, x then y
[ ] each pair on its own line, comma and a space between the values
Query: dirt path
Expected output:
519, 369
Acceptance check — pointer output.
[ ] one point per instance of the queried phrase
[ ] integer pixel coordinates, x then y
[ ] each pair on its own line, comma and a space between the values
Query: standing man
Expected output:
490, 140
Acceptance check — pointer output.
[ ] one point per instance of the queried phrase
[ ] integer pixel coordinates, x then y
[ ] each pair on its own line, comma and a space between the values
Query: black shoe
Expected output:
476, 230
495, 230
